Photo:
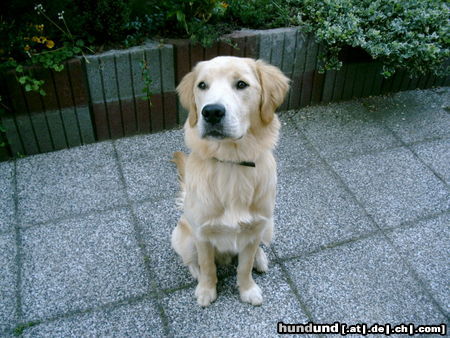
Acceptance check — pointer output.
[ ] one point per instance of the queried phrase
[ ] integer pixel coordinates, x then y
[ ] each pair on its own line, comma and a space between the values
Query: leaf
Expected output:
19, 69
22, 79
28, 88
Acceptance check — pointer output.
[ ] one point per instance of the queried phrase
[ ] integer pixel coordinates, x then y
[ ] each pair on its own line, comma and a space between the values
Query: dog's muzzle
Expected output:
213, 115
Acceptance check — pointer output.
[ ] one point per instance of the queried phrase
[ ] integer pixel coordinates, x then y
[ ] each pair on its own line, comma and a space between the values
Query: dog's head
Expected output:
228, 95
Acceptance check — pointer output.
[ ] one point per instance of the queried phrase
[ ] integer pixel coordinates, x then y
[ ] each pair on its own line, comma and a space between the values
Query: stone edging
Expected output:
102, 96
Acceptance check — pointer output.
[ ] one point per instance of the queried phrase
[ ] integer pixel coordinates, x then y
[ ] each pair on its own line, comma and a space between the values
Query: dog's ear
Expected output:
274, 87
185, 91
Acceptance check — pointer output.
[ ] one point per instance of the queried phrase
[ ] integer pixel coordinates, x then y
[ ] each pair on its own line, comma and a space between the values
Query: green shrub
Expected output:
259, 14
411, 35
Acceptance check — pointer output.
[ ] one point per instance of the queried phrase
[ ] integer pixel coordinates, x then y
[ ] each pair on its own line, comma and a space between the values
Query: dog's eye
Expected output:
241, 85
201, 85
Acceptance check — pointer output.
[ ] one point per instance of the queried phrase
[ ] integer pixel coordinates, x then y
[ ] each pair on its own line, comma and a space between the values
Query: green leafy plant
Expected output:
412, 35
259, 13
37, 49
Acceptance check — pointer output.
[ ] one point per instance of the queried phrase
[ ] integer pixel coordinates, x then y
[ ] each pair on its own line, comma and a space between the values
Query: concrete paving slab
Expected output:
7, 208
361, 282
8, 282
293, 151
345, 129
228, 316
146, 165
80, 263
130, 320
157, 220
68, 182
414, 116
426, 246
394, 186
314, 210
436, 154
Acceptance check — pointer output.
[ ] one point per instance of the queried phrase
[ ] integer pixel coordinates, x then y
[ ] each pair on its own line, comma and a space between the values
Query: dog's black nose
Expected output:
213, 113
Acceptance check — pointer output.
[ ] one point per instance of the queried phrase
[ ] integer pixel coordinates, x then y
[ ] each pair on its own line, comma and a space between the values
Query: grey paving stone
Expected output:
158, 219
361, 282
8, 278
68, 182
81, 263
228, 316
293, 151
436, 154
314, 210
135, 320
343, 130
416, 115
6, 196
394, 186
146, 164
426, 246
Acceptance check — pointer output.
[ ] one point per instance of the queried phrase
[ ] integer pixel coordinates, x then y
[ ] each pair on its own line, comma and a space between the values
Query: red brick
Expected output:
307, 83
225, 49
212, 52
101, 121
142, 115
182, 58
78, 82
129, 117
317, 87
170, 109
63, 88
157, 113
239, 46
251, 50
115, 119
16, 93
197, 54
294, 98
50, 99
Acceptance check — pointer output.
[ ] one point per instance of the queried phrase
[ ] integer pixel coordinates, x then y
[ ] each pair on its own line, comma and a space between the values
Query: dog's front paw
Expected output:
261, 263
253, 295
205, 295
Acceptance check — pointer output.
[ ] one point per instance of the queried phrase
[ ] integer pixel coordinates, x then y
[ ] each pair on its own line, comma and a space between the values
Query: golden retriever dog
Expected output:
228, 181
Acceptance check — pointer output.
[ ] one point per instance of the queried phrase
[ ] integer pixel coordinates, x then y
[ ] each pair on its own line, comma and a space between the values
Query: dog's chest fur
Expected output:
222, 202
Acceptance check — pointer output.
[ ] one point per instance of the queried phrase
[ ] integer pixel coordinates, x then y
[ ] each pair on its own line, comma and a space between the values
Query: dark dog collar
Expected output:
243, 163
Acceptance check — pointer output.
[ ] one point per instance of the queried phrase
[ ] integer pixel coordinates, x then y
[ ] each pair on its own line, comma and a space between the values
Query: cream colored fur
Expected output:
227, 207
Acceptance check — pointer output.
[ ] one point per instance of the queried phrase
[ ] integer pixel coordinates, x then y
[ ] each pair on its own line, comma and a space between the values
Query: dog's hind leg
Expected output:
183, 244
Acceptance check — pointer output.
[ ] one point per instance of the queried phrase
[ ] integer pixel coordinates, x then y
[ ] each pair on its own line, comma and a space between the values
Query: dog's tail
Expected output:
179, 159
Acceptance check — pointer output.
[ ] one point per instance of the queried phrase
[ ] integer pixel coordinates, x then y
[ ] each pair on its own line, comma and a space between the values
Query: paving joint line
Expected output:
103, 307
88, 213
326, 247
354, 239
406, 263
303, 306
416, 277
142, 248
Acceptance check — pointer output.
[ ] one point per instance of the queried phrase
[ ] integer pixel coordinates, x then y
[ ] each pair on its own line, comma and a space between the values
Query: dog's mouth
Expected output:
215, 134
